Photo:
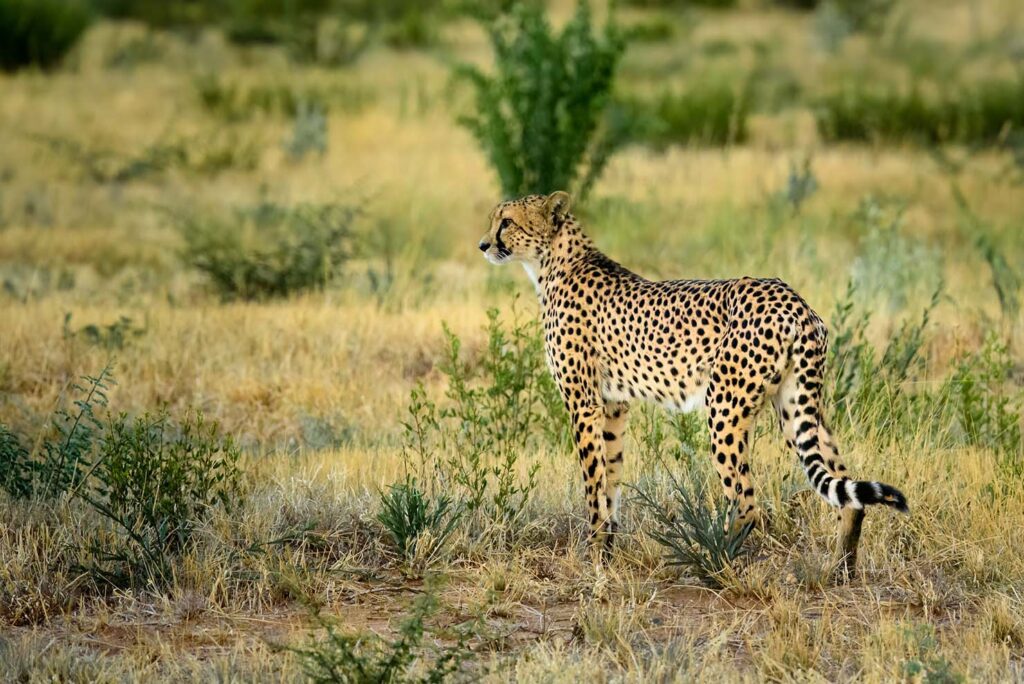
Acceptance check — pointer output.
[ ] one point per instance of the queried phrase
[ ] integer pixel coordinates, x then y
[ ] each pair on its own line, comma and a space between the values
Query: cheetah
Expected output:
611, 337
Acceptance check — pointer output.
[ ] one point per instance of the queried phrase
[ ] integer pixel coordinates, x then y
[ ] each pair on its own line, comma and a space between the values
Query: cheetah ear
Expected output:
557, 206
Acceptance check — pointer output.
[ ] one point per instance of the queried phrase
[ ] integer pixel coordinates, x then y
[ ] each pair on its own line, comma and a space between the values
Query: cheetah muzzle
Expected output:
612, 337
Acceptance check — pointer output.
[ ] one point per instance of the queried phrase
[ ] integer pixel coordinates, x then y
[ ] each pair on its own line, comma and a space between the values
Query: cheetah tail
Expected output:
868, 493
846, 493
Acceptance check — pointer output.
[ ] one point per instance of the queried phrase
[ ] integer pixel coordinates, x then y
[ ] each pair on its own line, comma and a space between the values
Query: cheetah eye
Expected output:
505, 223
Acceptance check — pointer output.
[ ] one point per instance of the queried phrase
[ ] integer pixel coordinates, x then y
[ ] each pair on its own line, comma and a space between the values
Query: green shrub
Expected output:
504, 405
655, 30
155, 481
977, 114
178, 14
270, 250
407, 513
538, 117
39, 32
890, 265
699, 536
987, 408
801, 184
705, 115
865, 388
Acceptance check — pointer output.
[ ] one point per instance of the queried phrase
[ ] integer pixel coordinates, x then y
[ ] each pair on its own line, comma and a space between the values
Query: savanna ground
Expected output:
316, 388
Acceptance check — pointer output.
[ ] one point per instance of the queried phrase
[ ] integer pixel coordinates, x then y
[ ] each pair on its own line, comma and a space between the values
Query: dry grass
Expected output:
316, 387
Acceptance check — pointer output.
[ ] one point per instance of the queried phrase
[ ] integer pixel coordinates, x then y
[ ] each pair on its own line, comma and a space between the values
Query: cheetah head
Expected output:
522, 229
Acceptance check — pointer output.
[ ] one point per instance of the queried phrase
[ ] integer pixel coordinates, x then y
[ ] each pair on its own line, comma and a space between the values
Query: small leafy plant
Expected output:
539, 117
494, 411
112, 336
409, 516
698, 536
155, 481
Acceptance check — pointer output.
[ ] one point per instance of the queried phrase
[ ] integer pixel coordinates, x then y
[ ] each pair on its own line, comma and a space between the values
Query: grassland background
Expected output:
315, 386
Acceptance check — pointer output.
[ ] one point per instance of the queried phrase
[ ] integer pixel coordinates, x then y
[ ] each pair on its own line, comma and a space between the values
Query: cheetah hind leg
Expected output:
798, 408
850, 521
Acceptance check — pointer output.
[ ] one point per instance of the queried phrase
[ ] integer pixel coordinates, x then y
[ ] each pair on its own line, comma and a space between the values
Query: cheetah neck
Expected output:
569, 247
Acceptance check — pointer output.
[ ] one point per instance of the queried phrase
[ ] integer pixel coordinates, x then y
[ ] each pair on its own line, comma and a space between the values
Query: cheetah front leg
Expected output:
588, 428
616, 415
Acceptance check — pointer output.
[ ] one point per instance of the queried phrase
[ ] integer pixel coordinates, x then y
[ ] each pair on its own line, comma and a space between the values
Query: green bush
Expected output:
39, 32
152, 480
865, 388
113, 336
538, 117
977, 114
311, 30
155, 481
706, 115
209, 154
503, 405
178, 14
270, 250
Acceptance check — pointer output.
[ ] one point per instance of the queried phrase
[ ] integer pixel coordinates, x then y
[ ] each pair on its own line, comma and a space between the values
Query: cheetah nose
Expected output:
484, 245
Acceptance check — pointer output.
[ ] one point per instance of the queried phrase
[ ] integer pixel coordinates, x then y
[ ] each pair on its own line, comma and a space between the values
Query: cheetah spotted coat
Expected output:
612, 336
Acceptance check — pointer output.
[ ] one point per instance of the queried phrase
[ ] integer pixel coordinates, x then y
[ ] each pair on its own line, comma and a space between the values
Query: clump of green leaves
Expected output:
539, 116
924, 663
413, 518
235, 101
205, 154
309, 132
270, 250
699, 536
16, 469
348, 658
64, 454
495, 409
891, 265
986, 407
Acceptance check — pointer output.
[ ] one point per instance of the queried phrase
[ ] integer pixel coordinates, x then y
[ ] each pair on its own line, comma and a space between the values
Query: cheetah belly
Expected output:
683, 401
694, 401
